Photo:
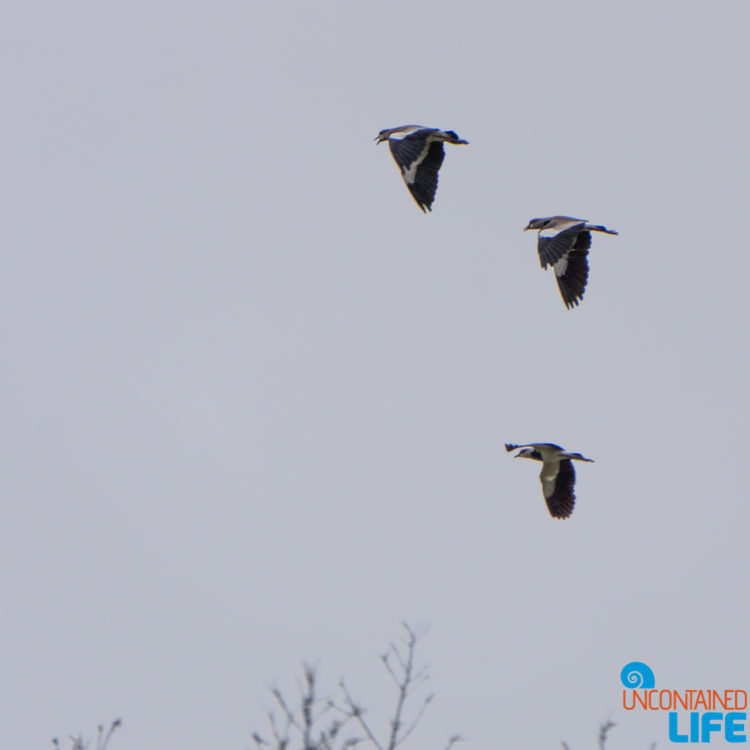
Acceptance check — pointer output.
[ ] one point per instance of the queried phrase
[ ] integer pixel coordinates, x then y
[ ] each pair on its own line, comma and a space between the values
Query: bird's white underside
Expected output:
406, 130
548, 477
410, 174
549, 454
559, 227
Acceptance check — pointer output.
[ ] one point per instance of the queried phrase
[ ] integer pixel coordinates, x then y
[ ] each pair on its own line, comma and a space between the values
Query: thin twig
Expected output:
603, 730
281, 741
356, 712
408, 666
414, 723
397, 654
312, 724
116, 724
384, 659
288, 713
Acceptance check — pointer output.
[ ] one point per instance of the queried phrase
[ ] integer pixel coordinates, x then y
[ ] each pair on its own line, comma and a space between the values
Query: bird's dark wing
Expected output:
552, 247
558, 489
572, 271
419, 161
408, 149
425, 182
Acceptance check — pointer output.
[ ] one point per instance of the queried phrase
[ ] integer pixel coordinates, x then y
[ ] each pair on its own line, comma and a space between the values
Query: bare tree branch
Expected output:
102, 738
288, 713
403, 685
394, 650
384, 659
355, 712
603, 732
327, 724
414, 723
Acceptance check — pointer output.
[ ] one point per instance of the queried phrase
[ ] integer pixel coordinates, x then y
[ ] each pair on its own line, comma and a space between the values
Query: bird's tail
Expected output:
577, 457
452, 137
600, 228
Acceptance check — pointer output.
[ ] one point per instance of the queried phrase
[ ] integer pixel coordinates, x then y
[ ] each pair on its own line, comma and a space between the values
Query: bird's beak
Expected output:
378, 139
525, 228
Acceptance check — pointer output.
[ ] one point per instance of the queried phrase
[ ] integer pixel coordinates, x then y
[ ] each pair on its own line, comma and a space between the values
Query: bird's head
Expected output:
527, 453
536, 224
384, 135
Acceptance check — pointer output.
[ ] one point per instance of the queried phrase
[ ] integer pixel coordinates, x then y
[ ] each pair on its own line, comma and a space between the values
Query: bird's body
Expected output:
419, 154
558, 476
564, 244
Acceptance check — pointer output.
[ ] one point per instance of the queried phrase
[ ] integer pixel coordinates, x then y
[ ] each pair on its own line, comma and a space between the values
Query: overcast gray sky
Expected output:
254, 402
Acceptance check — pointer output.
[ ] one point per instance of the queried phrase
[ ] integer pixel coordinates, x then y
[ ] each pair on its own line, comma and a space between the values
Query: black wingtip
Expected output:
510, 447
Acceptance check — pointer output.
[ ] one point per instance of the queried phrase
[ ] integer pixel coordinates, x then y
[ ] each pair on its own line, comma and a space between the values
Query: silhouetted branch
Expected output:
353, 711
102, 738
318, 724
603, 732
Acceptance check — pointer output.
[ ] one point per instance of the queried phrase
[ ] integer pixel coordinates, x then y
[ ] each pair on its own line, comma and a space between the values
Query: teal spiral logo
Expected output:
637, 675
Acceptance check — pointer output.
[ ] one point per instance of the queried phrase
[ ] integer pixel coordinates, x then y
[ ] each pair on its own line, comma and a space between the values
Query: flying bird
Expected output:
558, 477
419, 155
564, 243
